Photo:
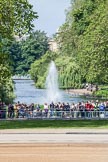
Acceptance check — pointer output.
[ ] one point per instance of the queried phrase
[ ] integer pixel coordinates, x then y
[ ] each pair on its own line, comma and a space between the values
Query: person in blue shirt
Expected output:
102, 107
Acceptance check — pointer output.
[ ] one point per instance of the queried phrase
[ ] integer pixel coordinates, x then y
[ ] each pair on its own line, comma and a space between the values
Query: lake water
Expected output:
27, 93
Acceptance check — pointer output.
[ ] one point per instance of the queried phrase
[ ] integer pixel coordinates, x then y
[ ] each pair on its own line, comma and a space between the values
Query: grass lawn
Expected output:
15, 124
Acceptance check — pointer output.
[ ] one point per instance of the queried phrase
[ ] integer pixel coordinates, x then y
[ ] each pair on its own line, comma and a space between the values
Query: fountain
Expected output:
27, 93
52, 87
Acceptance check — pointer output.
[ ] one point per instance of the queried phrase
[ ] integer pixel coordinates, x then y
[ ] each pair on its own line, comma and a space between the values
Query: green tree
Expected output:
15, 52
83, 45
93, 45
39, 68
84, 38
16, 18
33, 48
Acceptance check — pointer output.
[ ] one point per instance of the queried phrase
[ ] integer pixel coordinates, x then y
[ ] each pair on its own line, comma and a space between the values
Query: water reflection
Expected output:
27, 93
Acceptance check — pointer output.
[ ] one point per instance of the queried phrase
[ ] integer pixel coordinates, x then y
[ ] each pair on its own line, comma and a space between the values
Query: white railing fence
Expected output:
54, 114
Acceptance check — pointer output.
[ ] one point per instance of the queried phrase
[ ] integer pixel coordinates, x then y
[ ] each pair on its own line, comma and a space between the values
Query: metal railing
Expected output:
28, 114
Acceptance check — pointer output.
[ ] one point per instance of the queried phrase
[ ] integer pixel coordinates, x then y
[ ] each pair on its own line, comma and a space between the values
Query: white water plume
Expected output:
52, 87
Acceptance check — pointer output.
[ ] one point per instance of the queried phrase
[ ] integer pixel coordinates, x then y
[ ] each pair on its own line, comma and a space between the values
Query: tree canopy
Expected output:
16, 18
84, 37
26, 51
83, 44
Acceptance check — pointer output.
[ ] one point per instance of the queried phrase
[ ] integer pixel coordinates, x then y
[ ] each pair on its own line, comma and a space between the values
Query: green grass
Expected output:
101, 93
15, 124
103, 86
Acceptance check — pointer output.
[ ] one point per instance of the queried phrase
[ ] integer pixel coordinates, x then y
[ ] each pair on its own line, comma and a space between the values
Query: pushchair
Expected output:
21, 113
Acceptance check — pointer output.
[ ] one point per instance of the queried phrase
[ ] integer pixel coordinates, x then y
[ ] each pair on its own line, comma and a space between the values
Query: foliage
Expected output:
33, 48
84, 38
6, 91
24, 52
15, 52
69, 72
69, 75
39, 68
83, 45
93, 48
102, 91
6, 85
16, 18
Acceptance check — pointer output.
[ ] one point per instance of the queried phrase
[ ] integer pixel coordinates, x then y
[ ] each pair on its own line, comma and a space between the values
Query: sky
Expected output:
51, 14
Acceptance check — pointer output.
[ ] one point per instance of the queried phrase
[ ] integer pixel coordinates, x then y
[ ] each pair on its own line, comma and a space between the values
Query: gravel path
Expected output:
54, 145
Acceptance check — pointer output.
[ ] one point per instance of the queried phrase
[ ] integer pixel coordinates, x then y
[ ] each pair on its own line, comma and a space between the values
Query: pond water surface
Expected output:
27, 93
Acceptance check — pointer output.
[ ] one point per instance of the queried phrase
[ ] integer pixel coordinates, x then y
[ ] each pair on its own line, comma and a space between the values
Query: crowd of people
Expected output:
74, 110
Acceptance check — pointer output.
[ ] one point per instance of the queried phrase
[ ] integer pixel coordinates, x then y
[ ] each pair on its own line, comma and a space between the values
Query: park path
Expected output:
54, 145
78, 92
69, 136
55, 130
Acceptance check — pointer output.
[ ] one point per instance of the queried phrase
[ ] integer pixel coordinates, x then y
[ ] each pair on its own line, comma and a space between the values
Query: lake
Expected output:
27, 93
